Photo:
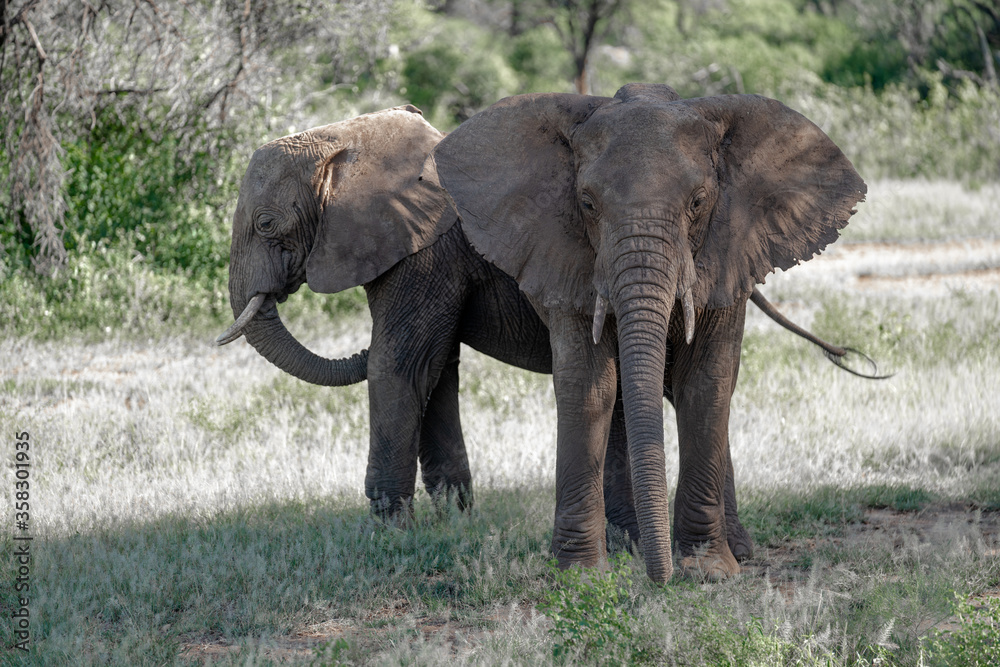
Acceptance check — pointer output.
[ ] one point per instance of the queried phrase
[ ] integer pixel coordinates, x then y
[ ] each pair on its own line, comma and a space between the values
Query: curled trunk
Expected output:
268, 335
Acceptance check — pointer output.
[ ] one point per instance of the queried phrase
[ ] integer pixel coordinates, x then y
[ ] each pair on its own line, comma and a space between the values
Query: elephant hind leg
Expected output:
619, 503
444, 462
736, 535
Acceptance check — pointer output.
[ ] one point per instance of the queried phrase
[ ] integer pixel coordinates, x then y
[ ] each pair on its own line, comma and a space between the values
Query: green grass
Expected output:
140, 592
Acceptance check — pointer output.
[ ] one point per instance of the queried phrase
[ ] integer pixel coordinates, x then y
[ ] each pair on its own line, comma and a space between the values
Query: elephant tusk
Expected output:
688, 316
600, 312
236, 330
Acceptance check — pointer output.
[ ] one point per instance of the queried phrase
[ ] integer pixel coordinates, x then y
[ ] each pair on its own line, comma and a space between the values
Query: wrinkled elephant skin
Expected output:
661, 214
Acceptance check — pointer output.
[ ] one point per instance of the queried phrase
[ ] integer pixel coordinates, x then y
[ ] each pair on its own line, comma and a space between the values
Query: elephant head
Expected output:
333, 207
642, 203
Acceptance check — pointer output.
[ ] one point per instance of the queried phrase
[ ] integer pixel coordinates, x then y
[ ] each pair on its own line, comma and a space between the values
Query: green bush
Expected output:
897, 133
173, 203
541, 60
975, 642
108, 287
590, 614
460, 71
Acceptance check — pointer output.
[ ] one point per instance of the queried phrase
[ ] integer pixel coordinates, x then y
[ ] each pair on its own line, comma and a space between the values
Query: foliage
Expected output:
196, 76
122, 181
456, 73
976, 641
136, 148
589, 613
899, 133
107, 288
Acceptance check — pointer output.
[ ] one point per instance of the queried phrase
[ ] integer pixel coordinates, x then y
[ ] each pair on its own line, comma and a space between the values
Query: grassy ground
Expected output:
194, 505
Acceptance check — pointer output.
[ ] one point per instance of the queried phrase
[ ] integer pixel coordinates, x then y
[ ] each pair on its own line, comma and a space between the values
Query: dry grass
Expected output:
195, 504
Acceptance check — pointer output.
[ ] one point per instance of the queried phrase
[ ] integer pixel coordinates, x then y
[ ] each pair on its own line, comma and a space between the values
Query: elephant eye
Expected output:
265, 223
587, 202
698, 202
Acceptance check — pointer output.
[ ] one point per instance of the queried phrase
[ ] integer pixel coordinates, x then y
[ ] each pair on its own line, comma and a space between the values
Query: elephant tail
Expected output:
837, 355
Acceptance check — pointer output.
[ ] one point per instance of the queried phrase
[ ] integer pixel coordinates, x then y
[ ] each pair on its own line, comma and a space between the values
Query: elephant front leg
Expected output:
392, 455
399, 382
704, 377
584, 380
444, 463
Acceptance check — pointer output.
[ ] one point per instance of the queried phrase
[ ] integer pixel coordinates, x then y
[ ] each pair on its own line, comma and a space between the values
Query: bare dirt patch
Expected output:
883, 530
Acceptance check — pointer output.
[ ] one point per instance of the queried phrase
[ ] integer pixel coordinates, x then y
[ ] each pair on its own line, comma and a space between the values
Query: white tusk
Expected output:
688, 316
236, 330
600, 311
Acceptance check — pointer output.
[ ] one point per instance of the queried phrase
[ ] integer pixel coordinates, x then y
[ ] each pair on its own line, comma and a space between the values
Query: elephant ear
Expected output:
785, 192
510, 171
374, 209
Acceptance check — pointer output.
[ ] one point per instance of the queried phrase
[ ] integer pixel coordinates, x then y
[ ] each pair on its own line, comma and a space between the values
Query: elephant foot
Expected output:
396, 512
739, 540
709, 564
446, 496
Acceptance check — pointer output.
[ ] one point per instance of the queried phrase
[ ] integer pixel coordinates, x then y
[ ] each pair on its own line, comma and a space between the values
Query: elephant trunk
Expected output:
643, 300
265, 331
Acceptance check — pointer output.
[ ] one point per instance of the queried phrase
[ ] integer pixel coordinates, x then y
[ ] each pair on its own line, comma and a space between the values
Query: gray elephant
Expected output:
342, 205
664, 212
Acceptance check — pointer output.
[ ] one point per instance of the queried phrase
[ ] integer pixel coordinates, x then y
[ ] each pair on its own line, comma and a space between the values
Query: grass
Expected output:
194, 505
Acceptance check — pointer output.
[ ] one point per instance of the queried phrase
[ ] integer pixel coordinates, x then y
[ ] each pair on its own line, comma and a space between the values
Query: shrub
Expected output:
975, 642
590, 615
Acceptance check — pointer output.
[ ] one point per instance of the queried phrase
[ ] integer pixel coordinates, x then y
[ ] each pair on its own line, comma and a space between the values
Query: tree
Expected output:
581, 25
194, 70
959, 38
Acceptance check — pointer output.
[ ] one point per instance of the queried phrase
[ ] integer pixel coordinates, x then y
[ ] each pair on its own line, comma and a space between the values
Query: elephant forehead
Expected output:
385, 142
268, 166
642, 123
645, 147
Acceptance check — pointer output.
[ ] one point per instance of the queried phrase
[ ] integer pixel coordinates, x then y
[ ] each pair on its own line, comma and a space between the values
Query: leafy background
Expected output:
128, 124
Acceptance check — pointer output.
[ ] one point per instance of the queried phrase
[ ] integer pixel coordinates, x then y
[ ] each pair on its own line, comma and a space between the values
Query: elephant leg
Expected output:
619, 503
395, 406
444, 463
411, 347
584, 380
704, 377
739, 539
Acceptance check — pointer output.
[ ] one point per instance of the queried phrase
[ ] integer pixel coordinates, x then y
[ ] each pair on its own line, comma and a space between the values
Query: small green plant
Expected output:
332, 653
975, 642
590, 615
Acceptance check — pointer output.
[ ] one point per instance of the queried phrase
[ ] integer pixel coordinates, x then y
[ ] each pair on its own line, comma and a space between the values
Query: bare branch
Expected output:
34, 37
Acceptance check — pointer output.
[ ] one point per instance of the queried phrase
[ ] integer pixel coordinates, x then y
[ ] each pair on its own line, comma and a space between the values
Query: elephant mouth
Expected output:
236, 330
601, 311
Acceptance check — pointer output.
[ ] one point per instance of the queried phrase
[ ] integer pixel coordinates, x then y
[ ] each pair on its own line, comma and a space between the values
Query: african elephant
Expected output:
665, 212
342, 205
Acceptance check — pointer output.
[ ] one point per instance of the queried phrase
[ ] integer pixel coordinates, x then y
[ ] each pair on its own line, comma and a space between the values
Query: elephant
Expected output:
342, 205
662, 214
